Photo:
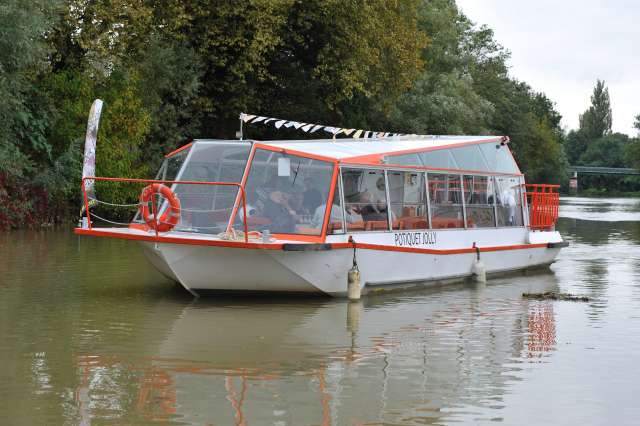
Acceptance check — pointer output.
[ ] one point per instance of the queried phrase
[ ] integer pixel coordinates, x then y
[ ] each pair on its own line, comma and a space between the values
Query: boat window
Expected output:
469, 158
509, 201
408, 200
207, 208
285, 193
499, 158
171, 166
365, 200
445, 201
479, 201
440, 159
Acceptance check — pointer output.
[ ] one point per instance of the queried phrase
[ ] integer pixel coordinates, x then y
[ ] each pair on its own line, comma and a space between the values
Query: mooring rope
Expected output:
115, 205
109, 221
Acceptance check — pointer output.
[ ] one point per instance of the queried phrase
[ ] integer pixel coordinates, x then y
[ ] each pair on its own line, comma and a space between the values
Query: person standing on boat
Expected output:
509, 201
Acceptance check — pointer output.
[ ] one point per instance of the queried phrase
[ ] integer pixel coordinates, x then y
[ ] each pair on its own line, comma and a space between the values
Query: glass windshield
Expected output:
171, 166
286, 194
207, 208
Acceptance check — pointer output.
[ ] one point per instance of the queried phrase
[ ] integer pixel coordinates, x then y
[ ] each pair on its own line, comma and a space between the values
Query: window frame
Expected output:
337, 177
386, 183
426, 171
294, 153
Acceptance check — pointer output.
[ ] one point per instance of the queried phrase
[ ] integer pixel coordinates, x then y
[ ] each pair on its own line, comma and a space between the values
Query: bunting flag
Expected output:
279, 123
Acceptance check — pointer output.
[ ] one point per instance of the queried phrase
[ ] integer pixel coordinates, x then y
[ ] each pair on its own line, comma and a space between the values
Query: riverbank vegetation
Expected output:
594, 144
171, 70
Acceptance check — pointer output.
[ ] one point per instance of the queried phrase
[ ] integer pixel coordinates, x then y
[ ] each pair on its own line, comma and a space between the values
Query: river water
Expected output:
89, 334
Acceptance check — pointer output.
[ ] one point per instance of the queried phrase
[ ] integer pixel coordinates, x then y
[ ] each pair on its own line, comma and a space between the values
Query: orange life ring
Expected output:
169, 219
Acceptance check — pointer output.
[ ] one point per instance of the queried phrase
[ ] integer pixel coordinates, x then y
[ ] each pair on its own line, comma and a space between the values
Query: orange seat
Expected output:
414, 222
356, 226
446, 222
377, 225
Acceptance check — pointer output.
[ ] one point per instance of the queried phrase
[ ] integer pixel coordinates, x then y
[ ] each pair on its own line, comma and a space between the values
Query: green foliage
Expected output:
171, 70
633, 149
444, 99
613, 150
575, 145
22, 116
123, 127
607, 151
170, 79
533, 126
633, 153
596, 121
342, 62
443, 104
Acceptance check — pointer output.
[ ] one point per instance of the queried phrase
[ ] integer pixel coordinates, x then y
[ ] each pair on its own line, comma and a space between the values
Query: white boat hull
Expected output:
206, 267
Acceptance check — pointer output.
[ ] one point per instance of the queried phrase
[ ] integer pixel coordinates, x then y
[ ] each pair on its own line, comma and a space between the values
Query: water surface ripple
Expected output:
91, 335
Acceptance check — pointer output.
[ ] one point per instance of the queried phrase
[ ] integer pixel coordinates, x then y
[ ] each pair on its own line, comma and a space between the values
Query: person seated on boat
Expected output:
311, 197
371, 211
252, 207
351, 216
276, 208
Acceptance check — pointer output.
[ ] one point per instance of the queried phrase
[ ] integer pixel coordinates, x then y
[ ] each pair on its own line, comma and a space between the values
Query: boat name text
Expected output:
414, 238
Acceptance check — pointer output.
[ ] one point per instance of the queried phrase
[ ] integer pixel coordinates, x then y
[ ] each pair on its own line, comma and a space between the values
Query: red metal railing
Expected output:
155, 205
544, 201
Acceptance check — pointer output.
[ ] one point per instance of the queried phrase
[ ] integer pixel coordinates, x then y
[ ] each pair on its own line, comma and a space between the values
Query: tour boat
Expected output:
298, 215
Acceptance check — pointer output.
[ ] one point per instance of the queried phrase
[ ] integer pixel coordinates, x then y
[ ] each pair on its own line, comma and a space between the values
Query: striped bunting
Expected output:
278, 123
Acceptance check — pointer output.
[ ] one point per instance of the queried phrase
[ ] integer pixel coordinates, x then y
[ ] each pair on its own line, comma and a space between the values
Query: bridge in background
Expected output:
592, 170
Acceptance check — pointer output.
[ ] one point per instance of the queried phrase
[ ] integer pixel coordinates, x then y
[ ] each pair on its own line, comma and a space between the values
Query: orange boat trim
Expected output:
279, 246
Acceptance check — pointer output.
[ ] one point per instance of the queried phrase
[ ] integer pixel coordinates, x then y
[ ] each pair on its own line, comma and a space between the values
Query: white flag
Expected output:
246, 117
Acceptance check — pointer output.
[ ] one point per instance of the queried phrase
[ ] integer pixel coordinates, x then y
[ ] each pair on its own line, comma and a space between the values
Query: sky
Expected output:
562, 47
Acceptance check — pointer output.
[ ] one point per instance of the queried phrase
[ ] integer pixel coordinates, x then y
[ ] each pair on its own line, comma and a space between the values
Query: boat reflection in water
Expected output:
437, 355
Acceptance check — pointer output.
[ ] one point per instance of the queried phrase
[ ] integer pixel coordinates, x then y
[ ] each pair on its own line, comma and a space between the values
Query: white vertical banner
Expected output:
90, 141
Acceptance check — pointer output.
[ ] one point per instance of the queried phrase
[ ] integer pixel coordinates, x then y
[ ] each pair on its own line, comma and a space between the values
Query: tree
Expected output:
24, 54
169, 82
633, 150
596, 120
444, 99
575, 145
24, 113
607, 151
343, 62
595, 123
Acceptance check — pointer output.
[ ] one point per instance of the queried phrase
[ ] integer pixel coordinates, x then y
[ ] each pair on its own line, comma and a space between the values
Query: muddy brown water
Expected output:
89, 334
